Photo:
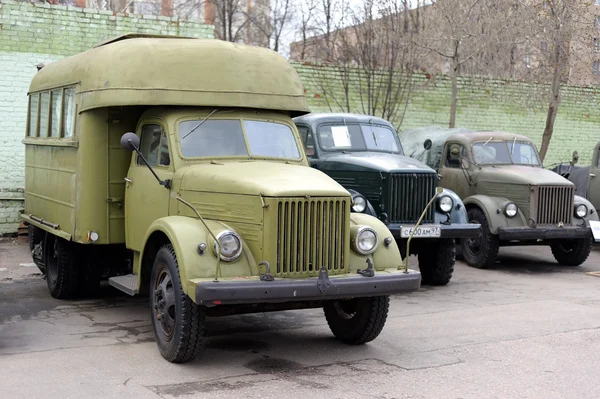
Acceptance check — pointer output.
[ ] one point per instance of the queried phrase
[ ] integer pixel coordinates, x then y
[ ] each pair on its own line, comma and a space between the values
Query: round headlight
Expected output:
581, 211
511, 209
445, 204
359, 203
366, 241
231, 245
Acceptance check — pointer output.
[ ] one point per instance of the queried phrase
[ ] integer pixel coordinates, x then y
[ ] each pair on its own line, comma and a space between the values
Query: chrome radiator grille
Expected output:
408, 194
555, 204
312, 233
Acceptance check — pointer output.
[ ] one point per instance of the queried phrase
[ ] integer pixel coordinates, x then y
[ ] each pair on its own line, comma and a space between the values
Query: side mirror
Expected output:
130, 141
464, 162
427, 144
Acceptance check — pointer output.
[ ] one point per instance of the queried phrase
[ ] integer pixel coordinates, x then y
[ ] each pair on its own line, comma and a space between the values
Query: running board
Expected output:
128, 284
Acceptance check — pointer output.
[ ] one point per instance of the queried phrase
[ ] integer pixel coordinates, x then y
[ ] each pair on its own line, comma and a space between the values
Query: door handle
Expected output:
128, 180
592, 175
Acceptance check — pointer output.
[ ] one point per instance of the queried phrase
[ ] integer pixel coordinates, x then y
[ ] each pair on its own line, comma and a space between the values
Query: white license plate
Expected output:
421, 231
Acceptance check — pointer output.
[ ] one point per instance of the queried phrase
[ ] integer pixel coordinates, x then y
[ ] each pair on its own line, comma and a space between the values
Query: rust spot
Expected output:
317, 95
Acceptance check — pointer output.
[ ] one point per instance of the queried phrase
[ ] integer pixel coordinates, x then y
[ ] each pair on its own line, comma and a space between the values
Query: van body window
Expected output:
56, 106
34, 109
68, 118
44, 113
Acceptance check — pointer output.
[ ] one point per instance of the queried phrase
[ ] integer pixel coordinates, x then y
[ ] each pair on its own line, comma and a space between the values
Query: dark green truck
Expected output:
363, 153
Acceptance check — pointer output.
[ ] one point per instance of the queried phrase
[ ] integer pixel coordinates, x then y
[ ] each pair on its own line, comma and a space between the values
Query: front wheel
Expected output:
359, 320
572, 252
177, 321
436, 262
481, 251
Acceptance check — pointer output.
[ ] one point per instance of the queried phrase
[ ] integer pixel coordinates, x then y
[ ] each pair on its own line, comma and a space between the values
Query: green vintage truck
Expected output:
585, 178
364, 154
502, 182
172, 168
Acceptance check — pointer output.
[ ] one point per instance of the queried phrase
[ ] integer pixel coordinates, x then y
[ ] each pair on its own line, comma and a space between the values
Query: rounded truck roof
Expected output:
156, 70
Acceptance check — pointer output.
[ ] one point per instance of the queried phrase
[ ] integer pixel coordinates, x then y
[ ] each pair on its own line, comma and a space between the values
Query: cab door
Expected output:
454, 176
594, 179
145, 199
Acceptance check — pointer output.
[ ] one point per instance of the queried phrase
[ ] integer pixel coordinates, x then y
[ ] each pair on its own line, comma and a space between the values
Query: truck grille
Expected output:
310, 234
409, 193
555, 204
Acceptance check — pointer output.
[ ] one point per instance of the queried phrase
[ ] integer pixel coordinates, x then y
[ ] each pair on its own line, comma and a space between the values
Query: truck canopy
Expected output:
156, 70
413, 143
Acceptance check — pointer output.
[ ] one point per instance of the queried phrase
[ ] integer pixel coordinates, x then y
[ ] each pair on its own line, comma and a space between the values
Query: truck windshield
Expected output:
225, 138
361, 137
505, 152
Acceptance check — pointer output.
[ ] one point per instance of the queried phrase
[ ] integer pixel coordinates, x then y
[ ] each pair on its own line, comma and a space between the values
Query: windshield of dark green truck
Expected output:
225, 138
358, 138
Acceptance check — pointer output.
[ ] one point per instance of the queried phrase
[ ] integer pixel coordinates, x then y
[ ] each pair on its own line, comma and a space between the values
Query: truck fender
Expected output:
385, 256
186, 234
493, 209
578, 200
458, 215
369, 210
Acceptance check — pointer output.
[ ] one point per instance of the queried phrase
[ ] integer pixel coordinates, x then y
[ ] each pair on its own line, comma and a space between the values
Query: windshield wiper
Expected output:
198, 125
513, 146
490, 139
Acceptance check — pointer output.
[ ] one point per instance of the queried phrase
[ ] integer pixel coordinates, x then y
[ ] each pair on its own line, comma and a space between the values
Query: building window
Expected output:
596, 67
597, 22
596, 44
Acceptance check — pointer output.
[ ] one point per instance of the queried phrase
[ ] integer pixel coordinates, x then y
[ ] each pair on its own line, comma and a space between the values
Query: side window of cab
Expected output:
154, 146
454, 154
307, 140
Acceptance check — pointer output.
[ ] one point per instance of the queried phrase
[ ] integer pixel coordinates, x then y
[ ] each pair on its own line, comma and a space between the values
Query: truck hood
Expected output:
373, 161
519, 174
270, 179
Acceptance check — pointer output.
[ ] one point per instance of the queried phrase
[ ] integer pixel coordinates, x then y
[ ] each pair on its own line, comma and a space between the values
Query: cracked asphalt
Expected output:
527, 328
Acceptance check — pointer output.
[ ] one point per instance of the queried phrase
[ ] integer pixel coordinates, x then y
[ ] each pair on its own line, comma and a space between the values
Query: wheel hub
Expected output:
164, 303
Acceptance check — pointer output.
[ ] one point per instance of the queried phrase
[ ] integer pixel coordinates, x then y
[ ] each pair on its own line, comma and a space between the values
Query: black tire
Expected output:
61, 258
572, 252
36, 236
359, 320
178, 322
480, 252
436, 262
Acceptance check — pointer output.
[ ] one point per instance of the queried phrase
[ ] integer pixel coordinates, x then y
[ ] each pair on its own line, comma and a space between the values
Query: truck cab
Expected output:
172, 168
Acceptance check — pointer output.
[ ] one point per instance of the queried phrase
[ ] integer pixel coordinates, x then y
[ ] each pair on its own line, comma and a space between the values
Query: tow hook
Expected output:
369, 271
267, 276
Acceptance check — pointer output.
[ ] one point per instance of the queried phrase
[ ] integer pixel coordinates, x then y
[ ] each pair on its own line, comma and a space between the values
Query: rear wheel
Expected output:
61, 258
177, 321
436, 262
481, 251
572, 252
359, 320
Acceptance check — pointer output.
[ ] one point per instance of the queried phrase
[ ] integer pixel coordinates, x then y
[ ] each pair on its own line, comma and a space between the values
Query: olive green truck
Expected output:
172, 168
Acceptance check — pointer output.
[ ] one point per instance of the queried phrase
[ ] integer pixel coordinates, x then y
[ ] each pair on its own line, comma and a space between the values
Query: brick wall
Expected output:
484, 104
39, 33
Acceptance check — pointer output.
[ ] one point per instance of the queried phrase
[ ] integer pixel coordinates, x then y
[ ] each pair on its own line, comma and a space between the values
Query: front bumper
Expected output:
544, 233
468, 230
228, 292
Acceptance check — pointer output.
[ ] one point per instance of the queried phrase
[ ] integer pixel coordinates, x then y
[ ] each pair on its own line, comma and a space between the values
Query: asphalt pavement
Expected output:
526, 328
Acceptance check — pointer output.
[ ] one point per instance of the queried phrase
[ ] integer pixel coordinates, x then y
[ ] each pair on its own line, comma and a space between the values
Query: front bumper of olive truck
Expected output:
324, 287
466, 230
544, 233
